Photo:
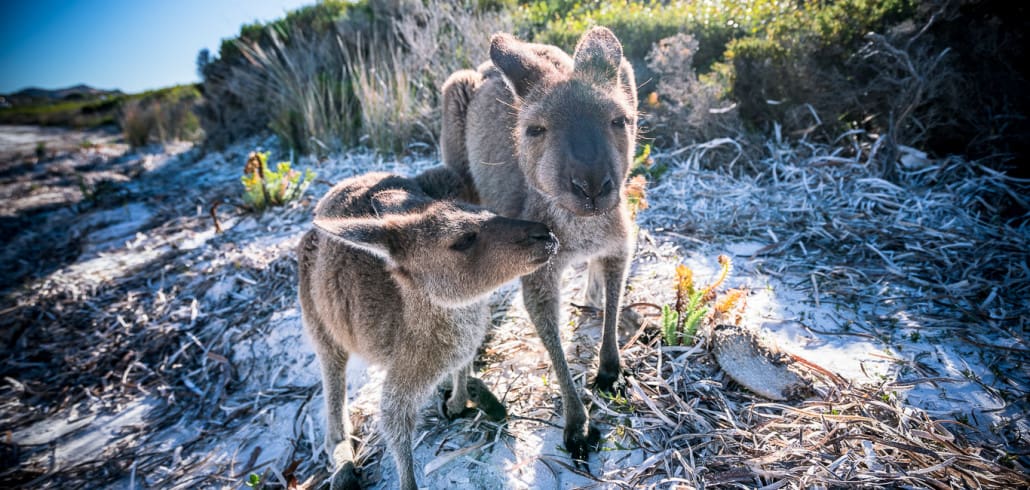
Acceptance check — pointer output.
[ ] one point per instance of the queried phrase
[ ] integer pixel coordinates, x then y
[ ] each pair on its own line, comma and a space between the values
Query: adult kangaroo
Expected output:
547, 137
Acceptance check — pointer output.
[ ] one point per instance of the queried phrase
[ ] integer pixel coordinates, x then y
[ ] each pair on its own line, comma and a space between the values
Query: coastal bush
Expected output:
338, 74
160, 116
81, 114
638, 25
155, 115
285, 76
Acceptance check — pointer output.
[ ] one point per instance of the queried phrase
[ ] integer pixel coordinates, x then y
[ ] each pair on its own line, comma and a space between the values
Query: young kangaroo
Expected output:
549, 138
401, 279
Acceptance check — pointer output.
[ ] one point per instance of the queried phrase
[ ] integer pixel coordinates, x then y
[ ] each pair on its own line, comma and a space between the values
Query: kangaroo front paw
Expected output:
630, 321
580, 441
480, 399
454, 411
345, 478
485, 401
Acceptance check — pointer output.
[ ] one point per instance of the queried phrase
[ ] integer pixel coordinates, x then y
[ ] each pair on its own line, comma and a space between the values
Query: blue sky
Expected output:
124, 44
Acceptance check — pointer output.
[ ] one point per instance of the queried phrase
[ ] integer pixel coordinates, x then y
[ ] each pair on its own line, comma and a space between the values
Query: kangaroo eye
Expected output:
620, 122
465, 242
534, 131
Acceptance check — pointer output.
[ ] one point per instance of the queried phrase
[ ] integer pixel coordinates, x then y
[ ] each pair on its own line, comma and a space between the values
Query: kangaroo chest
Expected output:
583, 238
455, 332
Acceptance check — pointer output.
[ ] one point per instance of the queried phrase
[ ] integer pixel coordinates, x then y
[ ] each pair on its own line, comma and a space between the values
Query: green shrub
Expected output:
762, 78
639, 25
264, 188
87, 113
337, 74
806, 56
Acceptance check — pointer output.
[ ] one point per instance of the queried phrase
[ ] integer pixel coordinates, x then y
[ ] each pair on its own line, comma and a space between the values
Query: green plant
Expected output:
264, 188
807, 55
101, 191
617, 401
81, 113
644, 165
693, 305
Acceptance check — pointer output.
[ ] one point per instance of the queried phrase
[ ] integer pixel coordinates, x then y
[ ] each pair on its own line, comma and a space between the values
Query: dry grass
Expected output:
302, 85
210, 333
398, 82
685, 108
374, 83
696, 431
947, 230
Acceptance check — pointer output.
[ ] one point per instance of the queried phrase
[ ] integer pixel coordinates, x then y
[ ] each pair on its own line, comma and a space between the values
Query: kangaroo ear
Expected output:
370, 235
598, 54
397, 201
628, 82
520, 66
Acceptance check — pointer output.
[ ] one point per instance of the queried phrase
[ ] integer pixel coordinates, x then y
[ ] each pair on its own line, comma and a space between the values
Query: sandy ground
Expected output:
174, 356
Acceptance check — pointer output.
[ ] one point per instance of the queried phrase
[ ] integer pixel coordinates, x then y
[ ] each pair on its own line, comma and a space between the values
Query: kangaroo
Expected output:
547, 137
400, 278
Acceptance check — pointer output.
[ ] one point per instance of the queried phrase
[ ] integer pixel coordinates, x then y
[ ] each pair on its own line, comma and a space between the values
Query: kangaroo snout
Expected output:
545, 238
537, 237
590, 188
539, 232
592, 191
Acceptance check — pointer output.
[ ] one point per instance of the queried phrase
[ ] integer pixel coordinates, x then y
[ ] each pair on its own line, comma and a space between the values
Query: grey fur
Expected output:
548, 137
390, 273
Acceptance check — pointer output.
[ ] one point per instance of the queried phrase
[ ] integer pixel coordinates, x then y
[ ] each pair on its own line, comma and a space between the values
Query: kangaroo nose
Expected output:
591, 190
606, 187
539, 232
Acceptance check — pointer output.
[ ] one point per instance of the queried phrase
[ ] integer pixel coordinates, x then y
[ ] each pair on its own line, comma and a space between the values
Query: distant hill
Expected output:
35, 95
162, 114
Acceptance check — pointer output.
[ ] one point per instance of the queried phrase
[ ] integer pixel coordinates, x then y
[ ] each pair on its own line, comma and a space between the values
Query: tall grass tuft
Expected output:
305, 90
398, 83
395, 108
362, 74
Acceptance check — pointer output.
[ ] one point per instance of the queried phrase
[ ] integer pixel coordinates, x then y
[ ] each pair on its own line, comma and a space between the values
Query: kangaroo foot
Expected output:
580, 441
610, 381
345, 478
